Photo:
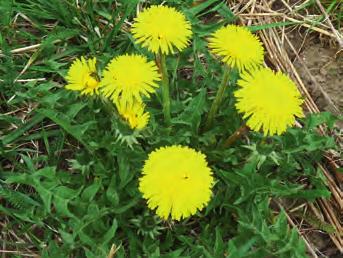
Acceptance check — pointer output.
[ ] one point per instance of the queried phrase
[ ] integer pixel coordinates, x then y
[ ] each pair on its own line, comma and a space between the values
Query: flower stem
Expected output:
165, 88
236, 135
218, 99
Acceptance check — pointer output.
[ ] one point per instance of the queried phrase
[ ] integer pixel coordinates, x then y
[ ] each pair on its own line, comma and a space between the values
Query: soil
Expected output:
321, 69
320, 66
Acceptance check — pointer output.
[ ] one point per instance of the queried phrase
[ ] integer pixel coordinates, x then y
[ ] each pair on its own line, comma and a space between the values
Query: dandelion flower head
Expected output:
237, 47
177, 181
129, 77
162, 28
134, 114
82, 76
269, 100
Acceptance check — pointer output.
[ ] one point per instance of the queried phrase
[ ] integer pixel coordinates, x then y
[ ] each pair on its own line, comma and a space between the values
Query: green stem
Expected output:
165, 88
236, 135
218, 99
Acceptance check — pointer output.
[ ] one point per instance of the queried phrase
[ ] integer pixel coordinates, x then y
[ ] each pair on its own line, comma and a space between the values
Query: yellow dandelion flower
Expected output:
237, 47
177, 181
162, 28
134, 114
128, 77
82, 76
269, 100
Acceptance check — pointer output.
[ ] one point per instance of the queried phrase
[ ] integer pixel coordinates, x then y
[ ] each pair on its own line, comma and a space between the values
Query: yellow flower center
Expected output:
134, 80
82, 76
185, 176
91, 83
162, 28
269, 100
273, 97
176, 181
238, 47
131, 118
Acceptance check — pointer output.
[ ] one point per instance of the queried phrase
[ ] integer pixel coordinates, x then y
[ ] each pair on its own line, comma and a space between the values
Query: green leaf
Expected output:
194, 110
89, 192
129, 7
62, 195
131, 203
111, 193
75, 108
316, 119
77, 131
255, 28
110, 233
201, 7
7, 139
125, 173
219, 243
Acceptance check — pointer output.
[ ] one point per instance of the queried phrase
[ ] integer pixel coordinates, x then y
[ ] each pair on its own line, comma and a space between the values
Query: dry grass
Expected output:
279, 48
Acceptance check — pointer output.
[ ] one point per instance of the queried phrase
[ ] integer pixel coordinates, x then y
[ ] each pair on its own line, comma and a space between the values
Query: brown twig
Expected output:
235, 136
308, 245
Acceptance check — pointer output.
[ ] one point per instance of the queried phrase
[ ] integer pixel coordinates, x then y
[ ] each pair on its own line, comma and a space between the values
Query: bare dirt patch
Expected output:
321, 68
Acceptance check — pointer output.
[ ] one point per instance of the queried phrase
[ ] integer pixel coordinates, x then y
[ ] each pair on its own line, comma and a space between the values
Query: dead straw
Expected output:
276, 41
